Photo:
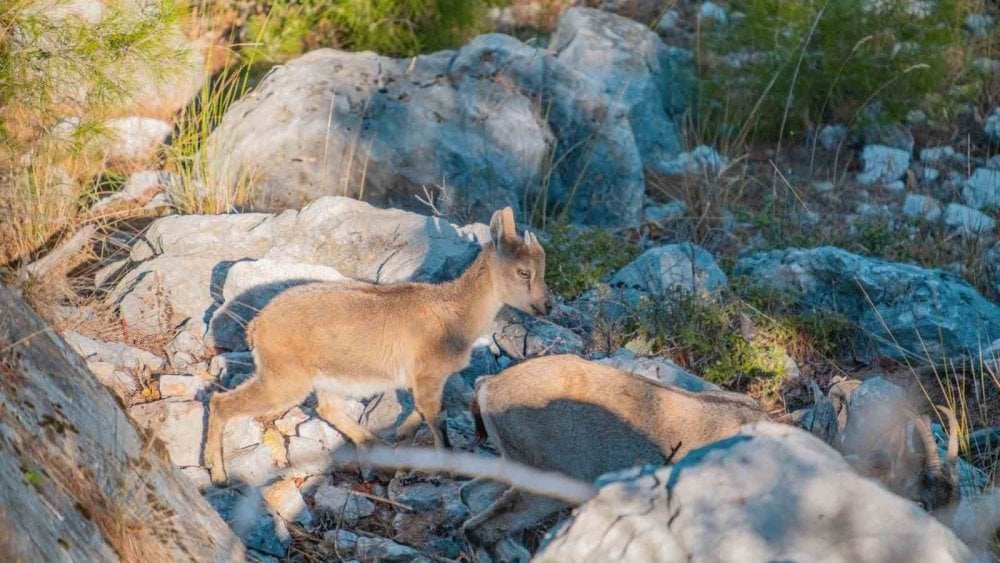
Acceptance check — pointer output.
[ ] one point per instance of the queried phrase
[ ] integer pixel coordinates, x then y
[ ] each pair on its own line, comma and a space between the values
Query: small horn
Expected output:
923, 428
951, 456
507, 216
527, 237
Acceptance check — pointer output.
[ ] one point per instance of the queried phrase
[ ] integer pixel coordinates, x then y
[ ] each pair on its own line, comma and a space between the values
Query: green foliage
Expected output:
391, 27
808, 61
578, 259
54, 64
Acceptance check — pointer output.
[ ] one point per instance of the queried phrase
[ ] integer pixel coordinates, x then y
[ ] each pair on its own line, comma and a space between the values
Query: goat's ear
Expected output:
502, 226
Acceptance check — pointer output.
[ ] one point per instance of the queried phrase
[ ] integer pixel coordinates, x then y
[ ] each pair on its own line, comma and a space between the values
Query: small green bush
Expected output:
391, 27
577, 259
810, 61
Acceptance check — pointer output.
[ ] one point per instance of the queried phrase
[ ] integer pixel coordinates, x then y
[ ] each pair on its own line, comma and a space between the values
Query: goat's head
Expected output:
909, 463
937, 484
518, 266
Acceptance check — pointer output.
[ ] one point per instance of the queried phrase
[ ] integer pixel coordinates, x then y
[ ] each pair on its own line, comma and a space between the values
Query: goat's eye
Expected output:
524, 274
922, 505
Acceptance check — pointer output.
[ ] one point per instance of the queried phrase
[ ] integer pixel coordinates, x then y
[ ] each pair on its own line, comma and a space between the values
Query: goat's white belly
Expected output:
361, 387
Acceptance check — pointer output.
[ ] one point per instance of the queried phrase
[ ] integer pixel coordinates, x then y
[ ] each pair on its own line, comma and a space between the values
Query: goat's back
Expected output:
583, 418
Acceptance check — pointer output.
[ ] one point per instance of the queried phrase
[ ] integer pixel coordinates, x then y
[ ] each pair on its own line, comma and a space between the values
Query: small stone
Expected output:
922, 206
284, 498
897, 187
979, 24
178, 385
289, 422
968, 221
883, 164
712, 11
936, 155
179, 424
823, 187
982, 189
185, 349
830, 136
341, 539
662, 213
253, 465
307, 456
383, 549
198, 476
992, 125
346, 506
317, 429
930, 175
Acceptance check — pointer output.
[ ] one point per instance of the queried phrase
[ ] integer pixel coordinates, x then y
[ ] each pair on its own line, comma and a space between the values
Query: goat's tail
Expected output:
477, 415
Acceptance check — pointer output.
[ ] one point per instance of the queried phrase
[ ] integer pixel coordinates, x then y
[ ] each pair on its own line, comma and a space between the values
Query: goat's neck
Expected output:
473, 297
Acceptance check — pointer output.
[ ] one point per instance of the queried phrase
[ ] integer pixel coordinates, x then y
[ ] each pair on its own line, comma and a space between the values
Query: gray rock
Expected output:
992, 125
191, 255
114, 353
180, 385
968, 221
702, 160
178, 423
383, 549
658, 369
343, 540
319, 430
685, 267
634, 67
285, 499
139, 189
929, 313
133, 141
198, 476
940, 155
185, 349
991, 261
482, 362
714, 12
662, 213
922, 206
769, 493
307, 456
979, 24
249, 516
346, 506
253, 465
883, 164
521, 336
359, 124
830, 136
982, 189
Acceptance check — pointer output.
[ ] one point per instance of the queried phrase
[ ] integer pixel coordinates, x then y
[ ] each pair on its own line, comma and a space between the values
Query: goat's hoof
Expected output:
219, 477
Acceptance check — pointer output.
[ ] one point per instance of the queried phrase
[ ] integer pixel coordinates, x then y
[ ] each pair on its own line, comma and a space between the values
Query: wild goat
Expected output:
874, 427
566, 414
356, 339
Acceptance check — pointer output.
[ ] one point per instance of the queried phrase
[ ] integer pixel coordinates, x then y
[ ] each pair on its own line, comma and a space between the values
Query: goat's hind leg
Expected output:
511, 513
253, 398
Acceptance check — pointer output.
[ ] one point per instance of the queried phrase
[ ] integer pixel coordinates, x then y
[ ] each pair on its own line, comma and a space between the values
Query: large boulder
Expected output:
770, 493
634, 67
78, 480
491, 124
181, 266
906, 310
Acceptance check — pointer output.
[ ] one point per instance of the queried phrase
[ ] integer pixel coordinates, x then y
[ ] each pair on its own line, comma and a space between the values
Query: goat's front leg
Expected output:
427, 393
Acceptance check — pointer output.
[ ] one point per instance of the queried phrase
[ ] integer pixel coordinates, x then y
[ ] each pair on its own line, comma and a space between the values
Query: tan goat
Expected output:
584, 419
355, 339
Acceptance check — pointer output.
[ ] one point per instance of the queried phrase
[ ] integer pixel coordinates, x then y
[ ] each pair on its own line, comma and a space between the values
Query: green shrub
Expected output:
577, 259
390, 27
810, 61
